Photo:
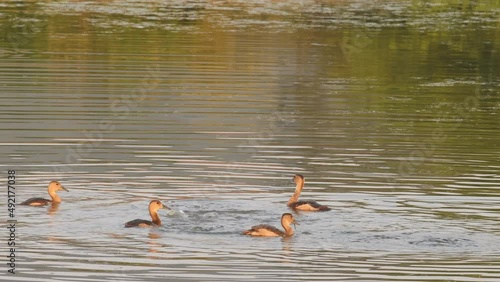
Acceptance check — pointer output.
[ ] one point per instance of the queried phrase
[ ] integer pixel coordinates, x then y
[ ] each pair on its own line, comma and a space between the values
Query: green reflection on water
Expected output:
410, 72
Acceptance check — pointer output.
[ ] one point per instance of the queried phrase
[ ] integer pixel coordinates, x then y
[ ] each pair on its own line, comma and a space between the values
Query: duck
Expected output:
265, 230
154, 206
53, 187
297, 205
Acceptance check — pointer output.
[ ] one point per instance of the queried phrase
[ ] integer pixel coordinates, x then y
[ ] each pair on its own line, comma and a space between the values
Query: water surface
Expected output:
389, 109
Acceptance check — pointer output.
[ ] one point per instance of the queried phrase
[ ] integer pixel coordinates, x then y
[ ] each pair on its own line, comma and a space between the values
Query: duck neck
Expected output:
288, 228
54, 196
155, 218
296, 194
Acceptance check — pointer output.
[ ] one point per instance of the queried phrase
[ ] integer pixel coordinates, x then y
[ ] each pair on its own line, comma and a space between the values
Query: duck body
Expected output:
154, 206
141, 223
297, 205
265, 230
52, 189
308, 206
36, 202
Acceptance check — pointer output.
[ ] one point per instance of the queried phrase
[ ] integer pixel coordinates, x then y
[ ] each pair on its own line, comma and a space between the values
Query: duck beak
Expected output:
169, 210
62, 187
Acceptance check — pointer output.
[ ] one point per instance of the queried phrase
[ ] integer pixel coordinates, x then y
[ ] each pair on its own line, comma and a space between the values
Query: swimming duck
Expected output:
271, 231
303, 205
54, 186
154, 206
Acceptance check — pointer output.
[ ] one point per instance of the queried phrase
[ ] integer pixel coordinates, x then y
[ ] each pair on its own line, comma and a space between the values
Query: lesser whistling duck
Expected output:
271, 231
154, 206
297, 205
54, 186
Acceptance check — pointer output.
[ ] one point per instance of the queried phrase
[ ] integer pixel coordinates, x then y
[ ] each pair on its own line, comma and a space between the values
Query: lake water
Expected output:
390, 109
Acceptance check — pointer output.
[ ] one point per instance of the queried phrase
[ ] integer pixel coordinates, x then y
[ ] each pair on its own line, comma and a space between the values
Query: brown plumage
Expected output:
154, 206
53, 187
297, 205
271, 231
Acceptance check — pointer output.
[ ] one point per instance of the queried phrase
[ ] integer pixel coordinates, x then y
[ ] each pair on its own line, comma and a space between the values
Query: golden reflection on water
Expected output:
53, 208
153, 245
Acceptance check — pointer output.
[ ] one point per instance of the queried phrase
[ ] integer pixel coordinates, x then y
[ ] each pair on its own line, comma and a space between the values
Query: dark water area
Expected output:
390, 109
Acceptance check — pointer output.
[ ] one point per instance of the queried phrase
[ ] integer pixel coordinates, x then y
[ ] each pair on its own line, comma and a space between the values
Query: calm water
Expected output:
391, 110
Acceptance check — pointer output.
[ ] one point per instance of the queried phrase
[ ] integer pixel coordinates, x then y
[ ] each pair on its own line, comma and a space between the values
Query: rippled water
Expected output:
389, 109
